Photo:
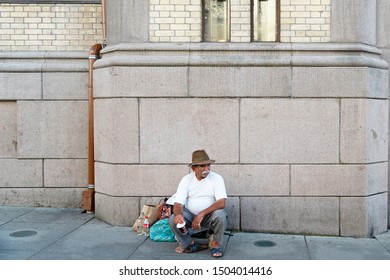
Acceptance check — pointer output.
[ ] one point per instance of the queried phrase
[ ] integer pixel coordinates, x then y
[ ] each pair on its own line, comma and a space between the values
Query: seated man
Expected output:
200, 202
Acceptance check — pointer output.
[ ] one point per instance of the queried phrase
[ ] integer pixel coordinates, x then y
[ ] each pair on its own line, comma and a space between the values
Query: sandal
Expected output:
217, 252
195, 248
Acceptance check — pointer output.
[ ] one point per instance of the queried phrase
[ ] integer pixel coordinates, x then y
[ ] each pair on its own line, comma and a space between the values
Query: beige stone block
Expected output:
138, 180
339, 82
240, 81
293, 215
363, 137
52, 129
133, 81
65, 85
117, 211
353, 21
20, 173
171, 129
128, 22
65, 173
20, 86
338, 180
289, 131
388, 208
232, 207
8, 131
42, 197
386, 56
17, 197
377, 83
255, 180
58, 197
363, 216
383, 23
116, 130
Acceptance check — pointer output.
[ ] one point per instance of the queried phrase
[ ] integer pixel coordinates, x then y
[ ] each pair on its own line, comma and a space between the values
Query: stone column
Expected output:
353, 21
383, 43
116, 120
366, 22
127, 21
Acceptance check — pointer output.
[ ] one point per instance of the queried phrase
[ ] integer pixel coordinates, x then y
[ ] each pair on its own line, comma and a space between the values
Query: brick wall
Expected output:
175, 21
305, 20
240, 26
49, 27
180, 20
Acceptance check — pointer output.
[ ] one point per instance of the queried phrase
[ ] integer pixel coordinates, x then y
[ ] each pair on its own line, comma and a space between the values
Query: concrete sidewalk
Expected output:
70, 234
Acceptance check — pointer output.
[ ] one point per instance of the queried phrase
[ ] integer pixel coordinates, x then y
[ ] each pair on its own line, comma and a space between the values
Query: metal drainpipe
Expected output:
88, 199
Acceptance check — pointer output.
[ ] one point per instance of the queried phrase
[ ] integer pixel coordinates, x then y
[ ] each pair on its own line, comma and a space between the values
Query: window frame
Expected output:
228, 23
277, 37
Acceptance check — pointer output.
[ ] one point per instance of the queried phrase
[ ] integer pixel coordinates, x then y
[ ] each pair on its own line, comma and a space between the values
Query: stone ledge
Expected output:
242, 54
44, 61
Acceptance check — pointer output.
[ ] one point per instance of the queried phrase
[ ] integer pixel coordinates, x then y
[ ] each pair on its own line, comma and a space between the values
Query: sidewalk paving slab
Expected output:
384, 239
95, 240
42, 236
8, 213
286, 247
56, 216
346, 248
151, 250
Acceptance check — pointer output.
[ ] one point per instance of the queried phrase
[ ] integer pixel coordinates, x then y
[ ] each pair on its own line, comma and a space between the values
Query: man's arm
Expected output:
219, 204
178, 212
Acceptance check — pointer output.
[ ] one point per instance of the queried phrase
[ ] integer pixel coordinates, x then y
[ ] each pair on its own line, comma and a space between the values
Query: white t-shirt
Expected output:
198, 195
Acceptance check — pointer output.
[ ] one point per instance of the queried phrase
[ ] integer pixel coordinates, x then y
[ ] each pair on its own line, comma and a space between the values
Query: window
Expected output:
216, 18
263, 23
265, 20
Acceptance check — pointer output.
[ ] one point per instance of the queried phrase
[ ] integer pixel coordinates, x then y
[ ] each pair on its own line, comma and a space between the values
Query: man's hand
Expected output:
179, 219
197, 221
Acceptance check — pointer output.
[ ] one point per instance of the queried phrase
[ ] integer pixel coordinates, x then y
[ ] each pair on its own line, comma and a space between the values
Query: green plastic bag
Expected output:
161, 232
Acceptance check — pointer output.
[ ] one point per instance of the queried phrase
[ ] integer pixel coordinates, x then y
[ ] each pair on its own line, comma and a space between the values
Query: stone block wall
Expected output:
43, 139
298, 131
296, 136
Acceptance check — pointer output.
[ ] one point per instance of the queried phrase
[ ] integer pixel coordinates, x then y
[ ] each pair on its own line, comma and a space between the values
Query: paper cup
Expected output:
182, 228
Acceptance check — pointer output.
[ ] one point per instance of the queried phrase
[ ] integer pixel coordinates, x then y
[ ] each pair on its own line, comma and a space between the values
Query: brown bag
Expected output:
150, 210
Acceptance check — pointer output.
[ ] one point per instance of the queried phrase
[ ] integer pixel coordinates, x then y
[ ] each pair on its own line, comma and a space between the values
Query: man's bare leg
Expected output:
215, 244
179, 250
